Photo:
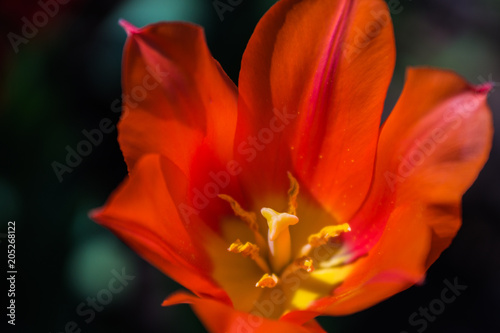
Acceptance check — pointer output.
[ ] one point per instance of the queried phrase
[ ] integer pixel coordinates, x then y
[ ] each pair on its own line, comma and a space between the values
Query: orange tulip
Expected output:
282, 199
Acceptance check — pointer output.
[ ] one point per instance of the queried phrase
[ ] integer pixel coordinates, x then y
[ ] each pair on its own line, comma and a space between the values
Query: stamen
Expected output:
293, 192
331, 231
278, 237
250, 218
267, 281
305, 263
249, 250
324, 236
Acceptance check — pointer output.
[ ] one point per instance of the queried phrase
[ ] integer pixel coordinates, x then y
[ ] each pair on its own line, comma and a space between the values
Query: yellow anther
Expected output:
305, 263
278, 222
249, 250
267, 281
332, 231
250, 218
293, 192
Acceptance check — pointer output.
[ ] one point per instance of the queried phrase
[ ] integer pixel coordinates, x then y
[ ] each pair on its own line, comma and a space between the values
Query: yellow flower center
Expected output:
280, 262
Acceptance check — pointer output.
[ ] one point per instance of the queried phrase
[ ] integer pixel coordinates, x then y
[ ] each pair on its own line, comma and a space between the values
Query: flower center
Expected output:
280, 261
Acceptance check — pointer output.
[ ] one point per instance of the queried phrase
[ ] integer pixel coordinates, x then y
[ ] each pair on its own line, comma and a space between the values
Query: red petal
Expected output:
218, 317
179, 103
175, 96
443, 128
452, 131
431, 149
395, 263
327, 65
143, 211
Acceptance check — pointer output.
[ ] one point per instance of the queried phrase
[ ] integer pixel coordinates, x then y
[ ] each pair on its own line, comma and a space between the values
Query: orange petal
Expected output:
431, 149
143, 211
450, 141
442, 128
179, 103
175, 95
395, 263
325, 65
219, 317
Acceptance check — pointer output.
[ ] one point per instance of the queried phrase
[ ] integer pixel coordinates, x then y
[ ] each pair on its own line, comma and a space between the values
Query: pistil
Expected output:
279, 237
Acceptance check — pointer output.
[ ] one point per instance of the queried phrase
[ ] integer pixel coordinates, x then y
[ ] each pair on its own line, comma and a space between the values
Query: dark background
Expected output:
65, 79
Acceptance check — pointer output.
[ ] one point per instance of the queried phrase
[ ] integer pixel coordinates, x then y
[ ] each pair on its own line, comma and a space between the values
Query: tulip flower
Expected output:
282, 199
